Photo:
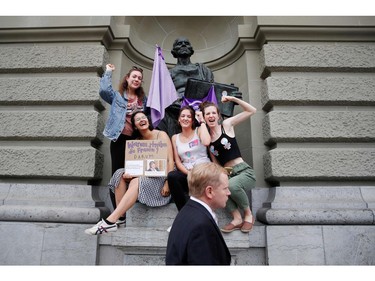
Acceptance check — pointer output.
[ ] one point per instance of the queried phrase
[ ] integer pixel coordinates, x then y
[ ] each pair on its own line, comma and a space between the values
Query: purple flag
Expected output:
211, 96
162, 90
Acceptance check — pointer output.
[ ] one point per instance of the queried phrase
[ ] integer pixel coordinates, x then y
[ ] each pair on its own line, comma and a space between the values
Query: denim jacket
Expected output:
117, 114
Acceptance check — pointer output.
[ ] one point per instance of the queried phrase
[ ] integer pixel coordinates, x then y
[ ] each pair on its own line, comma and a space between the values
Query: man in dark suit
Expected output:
195, 238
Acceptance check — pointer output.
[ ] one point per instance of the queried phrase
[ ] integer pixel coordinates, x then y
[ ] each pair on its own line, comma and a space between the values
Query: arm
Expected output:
106, 91
229, 123
213, 159
177, 158
170, 163
248, 110
170, 159
203, 133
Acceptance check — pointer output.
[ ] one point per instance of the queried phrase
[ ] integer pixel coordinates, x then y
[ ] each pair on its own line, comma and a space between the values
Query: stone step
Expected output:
156, 237
147, 246
144, 239
142, 216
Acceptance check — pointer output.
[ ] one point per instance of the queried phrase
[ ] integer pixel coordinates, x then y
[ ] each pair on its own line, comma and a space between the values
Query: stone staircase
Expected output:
44, 225
143, 241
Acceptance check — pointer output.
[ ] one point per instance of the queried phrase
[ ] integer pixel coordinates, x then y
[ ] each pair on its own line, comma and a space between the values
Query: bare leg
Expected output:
248, 215
248, 221
127, 201
120, 192
237, 219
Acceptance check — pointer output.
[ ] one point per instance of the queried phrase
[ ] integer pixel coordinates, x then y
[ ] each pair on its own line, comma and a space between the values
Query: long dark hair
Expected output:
136, 134
192, 112
124, 84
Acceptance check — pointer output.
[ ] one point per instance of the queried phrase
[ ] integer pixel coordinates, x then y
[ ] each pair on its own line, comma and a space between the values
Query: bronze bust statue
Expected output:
184, 69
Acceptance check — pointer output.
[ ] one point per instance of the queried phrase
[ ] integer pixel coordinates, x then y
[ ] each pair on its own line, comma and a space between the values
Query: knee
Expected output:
134, 182
172, 176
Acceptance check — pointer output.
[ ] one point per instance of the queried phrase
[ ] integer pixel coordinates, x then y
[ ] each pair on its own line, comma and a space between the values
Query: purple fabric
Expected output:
162, 90
211, 97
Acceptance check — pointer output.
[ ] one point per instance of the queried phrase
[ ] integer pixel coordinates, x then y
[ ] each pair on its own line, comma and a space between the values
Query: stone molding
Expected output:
319, 205
53, 203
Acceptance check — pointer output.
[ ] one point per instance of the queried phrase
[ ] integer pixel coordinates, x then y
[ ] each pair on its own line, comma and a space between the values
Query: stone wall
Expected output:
50, 137
319, 127
311, 142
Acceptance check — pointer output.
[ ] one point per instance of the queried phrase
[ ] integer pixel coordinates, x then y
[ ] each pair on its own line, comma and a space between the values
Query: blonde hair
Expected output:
203, 175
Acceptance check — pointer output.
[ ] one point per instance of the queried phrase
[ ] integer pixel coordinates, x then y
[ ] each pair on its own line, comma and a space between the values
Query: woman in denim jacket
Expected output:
129, 98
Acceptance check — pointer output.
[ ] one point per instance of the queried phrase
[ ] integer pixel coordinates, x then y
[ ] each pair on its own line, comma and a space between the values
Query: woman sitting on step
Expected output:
151, 191
189, 148
224, 150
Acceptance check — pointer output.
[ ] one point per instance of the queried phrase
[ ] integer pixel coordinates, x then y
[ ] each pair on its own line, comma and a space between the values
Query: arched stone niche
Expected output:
211, 37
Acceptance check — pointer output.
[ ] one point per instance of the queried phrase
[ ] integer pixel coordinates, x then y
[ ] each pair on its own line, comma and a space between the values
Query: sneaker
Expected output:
121, 222
101, 227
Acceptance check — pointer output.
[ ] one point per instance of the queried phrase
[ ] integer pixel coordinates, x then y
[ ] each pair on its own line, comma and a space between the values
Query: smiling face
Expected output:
185, 119
141, 121
134, 79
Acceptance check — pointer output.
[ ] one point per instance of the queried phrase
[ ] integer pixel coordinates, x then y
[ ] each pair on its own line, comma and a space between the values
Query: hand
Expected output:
165, 191
225, 99
199, 116
110, 67
127, 177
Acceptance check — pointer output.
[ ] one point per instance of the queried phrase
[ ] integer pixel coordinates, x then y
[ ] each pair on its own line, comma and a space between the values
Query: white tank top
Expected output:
193, 152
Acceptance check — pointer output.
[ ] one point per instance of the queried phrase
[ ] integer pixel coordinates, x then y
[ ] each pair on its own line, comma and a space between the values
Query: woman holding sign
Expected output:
150, 191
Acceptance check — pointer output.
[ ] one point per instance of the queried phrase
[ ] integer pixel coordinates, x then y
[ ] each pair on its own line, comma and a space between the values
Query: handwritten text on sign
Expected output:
140, 153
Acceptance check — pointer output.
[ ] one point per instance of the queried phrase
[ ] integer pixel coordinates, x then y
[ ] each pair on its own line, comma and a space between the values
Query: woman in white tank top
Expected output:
189, 148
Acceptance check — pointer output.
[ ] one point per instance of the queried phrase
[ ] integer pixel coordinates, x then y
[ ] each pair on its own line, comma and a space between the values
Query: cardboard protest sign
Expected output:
146, 158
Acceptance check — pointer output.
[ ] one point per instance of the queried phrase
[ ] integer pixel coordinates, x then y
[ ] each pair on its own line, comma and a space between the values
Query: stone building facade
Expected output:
311, 142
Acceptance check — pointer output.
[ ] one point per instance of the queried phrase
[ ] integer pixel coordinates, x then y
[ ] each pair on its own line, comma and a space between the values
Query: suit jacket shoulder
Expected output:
196, 239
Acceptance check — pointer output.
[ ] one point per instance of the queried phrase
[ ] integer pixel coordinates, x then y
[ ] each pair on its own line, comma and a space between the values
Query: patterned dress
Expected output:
149, 189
